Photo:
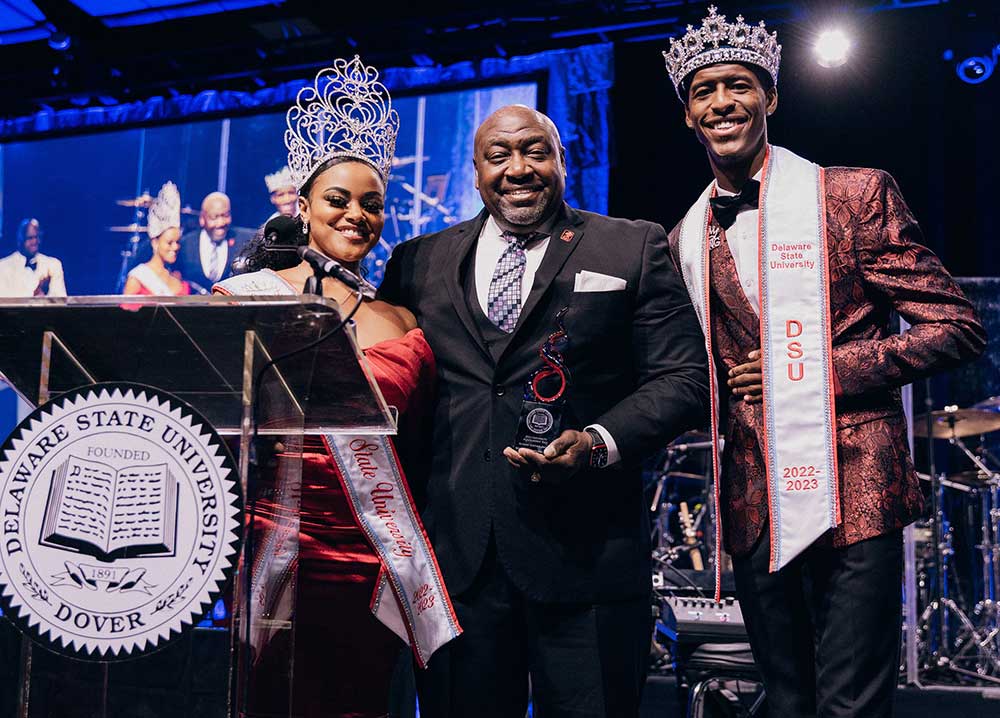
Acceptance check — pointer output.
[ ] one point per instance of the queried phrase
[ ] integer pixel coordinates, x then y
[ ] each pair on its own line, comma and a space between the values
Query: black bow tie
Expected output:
725, 209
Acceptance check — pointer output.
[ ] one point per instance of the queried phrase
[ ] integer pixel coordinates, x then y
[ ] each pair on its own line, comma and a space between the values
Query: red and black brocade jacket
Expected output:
877, 265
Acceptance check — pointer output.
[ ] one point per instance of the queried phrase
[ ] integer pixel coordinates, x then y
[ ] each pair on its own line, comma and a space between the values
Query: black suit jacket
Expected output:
638, 368
189, 257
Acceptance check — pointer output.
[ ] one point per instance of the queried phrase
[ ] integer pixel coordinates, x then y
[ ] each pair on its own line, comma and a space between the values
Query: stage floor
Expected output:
660, 700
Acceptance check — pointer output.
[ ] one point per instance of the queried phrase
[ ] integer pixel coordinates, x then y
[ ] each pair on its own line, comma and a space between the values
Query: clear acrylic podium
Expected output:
207, 352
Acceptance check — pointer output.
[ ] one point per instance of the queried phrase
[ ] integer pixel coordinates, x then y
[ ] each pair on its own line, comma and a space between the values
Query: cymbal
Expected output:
957, 423
991, 404
133, 228
692, 437
143, 200
188, 210
970, 478
409, 160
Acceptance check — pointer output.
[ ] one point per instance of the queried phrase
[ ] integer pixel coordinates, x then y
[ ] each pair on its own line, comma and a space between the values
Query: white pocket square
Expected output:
596, 282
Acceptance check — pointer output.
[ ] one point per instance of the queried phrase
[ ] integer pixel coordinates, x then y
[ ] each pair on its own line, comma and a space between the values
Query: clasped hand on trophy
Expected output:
560, 460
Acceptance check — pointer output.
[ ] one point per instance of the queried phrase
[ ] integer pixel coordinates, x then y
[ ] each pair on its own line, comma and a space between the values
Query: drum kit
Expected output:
958, 631
956, 553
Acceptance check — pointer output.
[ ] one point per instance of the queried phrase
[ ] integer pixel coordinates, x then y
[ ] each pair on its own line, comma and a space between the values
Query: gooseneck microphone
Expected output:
326, 267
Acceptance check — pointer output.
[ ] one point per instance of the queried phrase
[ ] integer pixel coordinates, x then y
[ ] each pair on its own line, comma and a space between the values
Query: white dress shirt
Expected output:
205, 245
489, 248
19, 280
742, 240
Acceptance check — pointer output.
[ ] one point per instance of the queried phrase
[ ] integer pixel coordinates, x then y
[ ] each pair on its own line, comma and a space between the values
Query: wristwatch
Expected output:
598, 449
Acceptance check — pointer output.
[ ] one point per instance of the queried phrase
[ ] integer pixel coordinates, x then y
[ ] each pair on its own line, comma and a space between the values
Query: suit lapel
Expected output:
565, 239
459, 249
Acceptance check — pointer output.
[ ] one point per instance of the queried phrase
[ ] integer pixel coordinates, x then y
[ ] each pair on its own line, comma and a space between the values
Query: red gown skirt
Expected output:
342, 656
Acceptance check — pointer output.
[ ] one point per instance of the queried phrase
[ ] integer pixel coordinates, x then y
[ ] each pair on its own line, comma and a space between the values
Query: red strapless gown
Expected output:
343, 655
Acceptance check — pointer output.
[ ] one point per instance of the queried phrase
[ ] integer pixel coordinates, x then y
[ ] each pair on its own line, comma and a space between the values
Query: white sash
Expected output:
264, 282
147, 277
799, 440
421, 614
410, 597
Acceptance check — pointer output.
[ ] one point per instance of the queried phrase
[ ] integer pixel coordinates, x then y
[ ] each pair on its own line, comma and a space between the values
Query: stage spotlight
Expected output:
832, 48
974, 70
60, 41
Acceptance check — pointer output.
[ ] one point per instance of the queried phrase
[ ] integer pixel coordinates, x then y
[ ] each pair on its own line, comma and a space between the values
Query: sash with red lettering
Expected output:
410, 597
799, 438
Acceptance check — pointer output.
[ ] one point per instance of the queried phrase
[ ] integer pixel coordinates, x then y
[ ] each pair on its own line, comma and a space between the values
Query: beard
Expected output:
529, 215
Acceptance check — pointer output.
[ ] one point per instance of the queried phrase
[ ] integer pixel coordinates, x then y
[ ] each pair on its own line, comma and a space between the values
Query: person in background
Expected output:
164, 228
207, 253
27, 272
283, 194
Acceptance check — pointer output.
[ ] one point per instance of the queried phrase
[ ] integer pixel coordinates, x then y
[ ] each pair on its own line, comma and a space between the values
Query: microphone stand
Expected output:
314, 285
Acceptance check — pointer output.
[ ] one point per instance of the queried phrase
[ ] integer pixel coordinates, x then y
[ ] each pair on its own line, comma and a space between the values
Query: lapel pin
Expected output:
567, 235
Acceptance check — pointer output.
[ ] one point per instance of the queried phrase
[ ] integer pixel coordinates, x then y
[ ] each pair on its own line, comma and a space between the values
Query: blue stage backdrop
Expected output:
72, 182
69, 168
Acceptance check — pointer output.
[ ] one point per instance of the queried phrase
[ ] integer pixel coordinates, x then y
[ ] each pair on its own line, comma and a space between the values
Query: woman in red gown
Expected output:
343, 655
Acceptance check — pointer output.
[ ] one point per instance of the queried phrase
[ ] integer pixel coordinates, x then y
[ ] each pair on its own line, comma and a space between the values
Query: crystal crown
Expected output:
347, 112
164, 211
279, 179
720, 41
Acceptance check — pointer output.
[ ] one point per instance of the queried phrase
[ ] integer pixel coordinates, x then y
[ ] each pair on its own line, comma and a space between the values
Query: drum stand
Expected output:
665, 548
977, 645
130, 251
984, 640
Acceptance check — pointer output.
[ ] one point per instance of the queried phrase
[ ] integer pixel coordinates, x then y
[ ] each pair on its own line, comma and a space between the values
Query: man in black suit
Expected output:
546, 555
207, 253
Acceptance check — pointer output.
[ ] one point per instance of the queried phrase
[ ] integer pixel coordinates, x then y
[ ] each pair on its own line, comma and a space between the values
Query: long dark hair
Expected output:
257, 254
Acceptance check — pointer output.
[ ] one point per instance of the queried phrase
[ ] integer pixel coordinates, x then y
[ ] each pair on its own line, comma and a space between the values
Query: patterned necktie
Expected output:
504, 299
213, 261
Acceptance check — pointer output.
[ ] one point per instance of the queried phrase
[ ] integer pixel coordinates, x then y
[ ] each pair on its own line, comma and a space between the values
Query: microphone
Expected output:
280, 230
324, 266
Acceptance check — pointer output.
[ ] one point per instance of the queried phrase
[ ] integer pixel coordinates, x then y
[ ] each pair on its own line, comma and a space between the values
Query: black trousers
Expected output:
583, 660
825, 629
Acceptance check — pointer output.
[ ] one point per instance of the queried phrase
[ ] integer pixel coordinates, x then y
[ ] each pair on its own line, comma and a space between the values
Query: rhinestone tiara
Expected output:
279, 179
720, 41
347, 112
164, 211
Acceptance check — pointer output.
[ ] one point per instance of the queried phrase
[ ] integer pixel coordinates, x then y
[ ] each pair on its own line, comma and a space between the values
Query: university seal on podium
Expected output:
120, 521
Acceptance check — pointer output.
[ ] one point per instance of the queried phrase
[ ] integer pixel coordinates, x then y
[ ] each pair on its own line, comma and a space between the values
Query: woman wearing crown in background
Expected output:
340, 138
164, 229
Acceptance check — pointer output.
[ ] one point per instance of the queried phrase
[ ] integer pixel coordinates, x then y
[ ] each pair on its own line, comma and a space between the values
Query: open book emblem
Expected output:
111, 513
122, 520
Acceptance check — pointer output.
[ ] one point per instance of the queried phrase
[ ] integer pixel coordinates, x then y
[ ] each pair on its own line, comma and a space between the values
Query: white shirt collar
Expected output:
726, 193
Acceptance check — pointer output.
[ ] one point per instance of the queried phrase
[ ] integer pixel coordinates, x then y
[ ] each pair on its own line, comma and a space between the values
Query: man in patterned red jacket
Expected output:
816, 482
